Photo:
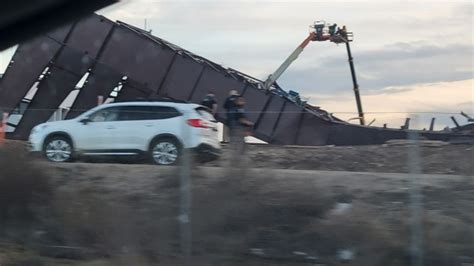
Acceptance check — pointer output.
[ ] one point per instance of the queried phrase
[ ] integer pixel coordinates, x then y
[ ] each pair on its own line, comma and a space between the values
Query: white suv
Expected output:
159, 129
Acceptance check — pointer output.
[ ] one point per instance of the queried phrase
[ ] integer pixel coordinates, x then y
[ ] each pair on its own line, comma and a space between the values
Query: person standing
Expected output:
231, 107
210, 102
241, 117
242, 128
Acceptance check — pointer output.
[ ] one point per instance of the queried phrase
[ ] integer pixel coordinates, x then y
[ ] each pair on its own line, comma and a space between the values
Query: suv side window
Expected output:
165, 112
105, 115
128, 113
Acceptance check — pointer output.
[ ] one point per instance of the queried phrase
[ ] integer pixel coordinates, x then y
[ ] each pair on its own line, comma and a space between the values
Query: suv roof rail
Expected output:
152, 100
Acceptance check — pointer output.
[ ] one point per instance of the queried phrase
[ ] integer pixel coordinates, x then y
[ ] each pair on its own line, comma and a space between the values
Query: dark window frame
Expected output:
147, 113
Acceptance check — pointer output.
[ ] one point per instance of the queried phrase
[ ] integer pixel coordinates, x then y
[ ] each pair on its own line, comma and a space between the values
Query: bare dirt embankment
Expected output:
126, 214
435, 158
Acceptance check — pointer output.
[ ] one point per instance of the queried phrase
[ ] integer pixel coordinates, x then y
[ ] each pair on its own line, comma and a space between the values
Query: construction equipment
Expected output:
346, 35
167, 71
321, 31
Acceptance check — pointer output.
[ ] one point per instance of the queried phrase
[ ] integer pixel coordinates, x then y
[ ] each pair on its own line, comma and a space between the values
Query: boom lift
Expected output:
321, 31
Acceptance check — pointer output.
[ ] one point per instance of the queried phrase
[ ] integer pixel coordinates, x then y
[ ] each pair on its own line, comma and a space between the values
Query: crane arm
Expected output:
273, 77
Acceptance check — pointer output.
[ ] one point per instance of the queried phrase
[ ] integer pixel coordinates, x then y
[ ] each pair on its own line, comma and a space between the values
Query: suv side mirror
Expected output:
85, 121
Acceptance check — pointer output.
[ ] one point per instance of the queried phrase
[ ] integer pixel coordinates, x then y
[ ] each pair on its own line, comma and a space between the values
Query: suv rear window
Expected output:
205, 114
147, 113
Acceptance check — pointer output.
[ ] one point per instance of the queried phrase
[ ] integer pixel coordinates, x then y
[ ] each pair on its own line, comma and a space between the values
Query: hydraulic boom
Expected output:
321, 31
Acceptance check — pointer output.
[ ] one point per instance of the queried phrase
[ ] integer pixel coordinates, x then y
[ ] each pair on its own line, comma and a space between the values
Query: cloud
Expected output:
396, 43
392, 105
397, 64
388, 91
407, 51
256, 36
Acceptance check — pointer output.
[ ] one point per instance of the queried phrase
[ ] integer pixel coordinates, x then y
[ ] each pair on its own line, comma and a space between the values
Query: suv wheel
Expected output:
58, 149
165, 151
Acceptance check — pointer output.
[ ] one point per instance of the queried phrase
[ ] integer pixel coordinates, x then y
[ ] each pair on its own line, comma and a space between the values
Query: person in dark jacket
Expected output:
242, 128
241, 116
231, 107
210, 102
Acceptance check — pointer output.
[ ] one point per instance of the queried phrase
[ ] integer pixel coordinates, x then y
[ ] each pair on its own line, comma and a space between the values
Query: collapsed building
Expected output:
118, 61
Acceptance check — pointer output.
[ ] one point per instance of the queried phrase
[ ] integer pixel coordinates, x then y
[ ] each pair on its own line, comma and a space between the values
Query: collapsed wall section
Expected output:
117, 55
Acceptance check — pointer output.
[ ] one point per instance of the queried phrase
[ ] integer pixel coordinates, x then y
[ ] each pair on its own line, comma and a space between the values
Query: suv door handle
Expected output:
110, 127
148, 125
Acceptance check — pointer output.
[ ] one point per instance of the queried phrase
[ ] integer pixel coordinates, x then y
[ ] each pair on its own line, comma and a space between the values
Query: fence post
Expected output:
416, 203
185, 195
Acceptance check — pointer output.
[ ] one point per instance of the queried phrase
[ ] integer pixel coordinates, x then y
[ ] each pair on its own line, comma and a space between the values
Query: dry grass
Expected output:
102, 220
26, 195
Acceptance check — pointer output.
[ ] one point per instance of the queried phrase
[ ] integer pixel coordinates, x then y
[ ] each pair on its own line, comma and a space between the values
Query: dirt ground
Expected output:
435, 158
282, 208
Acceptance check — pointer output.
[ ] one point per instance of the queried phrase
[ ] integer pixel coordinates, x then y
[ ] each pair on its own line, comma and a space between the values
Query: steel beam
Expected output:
28, 62
270, 116
51, 93
285, 131
101, 81
177, 87
137, 57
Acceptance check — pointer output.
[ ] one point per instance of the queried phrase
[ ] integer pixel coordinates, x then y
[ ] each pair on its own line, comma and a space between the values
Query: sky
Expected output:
410, 56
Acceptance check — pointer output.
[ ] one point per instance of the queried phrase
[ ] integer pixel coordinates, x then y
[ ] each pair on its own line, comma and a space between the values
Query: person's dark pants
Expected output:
231, 123
237, 146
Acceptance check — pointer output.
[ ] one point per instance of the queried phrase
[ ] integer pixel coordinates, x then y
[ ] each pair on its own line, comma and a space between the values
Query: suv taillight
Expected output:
197, 123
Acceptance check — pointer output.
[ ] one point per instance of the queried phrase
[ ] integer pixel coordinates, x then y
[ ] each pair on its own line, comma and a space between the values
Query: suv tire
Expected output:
58, 149
165, 151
